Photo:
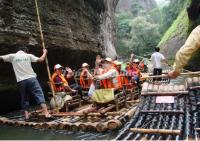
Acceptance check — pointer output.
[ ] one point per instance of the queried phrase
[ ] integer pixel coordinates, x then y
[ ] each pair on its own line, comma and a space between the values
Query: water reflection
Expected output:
25, 133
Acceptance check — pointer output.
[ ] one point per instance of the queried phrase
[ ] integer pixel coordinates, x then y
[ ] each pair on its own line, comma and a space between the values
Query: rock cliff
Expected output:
74, 31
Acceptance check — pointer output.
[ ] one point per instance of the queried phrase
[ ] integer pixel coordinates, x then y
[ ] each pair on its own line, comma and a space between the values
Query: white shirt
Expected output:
21, 63
156, 59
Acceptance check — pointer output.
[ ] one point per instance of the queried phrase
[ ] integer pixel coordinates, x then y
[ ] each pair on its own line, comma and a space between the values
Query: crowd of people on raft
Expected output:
107, 73
106, 70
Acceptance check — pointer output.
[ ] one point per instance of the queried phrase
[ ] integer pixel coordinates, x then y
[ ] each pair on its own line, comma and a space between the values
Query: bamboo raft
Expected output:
84, 117
80, 120
148, 120
166, 121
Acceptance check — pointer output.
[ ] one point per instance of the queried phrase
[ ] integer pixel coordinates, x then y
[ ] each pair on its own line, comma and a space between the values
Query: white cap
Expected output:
57, 66
85, 65
136, 60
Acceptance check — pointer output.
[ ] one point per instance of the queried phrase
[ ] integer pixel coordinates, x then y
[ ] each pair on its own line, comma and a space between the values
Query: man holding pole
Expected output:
191, 45
26, 78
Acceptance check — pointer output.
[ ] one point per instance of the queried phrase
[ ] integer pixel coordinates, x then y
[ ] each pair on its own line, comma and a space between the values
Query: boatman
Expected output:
26, 78
183, 55
157, 58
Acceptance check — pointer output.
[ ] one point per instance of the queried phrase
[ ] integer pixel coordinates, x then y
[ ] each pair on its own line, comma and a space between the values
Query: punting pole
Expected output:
46, 60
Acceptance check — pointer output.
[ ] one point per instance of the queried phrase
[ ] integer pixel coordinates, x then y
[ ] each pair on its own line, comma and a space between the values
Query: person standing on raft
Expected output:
26, 78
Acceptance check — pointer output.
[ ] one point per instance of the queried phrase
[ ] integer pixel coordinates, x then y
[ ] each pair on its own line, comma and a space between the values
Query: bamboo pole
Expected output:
113, 113
164, 93
163, 111
75, 114
191, 73
134, 101
194, 87
165, 75
155, 131
46, 60
107, 109
197, 129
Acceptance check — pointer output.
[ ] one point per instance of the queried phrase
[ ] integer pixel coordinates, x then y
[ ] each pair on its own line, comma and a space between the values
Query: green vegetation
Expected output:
170, 13
140, 33
140, 30
182, 23
137, 30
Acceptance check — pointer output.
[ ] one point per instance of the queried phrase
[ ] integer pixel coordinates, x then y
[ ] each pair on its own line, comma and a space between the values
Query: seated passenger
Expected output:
69, 75
123, 78
98, 60
136, 74
98, 69
128, 70
85, 78
117, 65
110, 75
59, 81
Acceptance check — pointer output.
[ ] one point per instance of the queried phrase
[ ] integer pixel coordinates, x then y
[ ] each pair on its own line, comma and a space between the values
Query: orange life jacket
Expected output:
84, 81
129, 70
59, 87
100, 72
124, 79
109, 83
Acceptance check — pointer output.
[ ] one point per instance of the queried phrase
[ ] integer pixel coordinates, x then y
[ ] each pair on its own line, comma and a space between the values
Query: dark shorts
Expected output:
27, 87
157, 71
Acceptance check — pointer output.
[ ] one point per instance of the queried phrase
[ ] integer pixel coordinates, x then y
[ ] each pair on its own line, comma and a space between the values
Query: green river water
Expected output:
26, 133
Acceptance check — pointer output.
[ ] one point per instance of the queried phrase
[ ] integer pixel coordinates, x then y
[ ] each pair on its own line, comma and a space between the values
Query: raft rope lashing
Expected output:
43, 46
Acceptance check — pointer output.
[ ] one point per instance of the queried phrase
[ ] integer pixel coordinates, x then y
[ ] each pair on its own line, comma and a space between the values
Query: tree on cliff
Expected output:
144, 35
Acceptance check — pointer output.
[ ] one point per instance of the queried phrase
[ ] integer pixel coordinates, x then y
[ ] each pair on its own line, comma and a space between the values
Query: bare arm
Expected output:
183, 55
109, 74
42, 58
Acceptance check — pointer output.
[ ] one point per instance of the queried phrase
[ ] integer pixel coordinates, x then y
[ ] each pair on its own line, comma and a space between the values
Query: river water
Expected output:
8, 132
26, 133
